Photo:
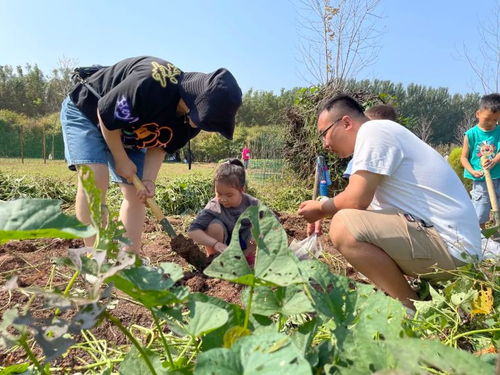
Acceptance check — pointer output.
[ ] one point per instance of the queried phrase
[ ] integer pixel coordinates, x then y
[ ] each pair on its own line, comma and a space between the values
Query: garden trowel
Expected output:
155, 209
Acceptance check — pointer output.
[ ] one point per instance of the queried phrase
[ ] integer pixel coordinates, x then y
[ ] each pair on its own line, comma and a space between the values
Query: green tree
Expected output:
20, 122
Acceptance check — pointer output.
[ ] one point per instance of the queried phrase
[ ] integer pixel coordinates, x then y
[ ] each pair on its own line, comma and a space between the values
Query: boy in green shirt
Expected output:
483, 140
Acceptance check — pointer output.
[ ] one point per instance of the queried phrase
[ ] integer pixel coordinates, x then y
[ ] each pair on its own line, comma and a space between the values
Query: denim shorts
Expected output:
84, 143
481, 199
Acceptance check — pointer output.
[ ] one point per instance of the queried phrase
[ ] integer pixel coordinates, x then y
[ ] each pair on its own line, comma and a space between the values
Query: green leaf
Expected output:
267, 353
275, 264
38, 218
286, 301
134, 364
15, 369
205, 317
218, 362
236, 317
151, 286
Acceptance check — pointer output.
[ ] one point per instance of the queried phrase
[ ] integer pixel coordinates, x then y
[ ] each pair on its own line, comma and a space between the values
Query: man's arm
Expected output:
358, 194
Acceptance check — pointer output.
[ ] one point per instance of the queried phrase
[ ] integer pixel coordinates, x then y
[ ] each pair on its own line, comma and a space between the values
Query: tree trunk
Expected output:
21, 142
44, 148
53, 155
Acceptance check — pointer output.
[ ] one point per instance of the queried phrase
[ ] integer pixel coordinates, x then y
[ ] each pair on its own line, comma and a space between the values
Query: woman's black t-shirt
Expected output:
139, 95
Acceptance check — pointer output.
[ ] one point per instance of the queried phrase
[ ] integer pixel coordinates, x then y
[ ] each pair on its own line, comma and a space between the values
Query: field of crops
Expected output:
170, 317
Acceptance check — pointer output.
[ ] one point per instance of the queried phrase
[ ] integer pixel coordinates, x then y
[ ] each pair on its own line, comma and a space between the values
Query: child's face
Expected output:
227, 195
487, 119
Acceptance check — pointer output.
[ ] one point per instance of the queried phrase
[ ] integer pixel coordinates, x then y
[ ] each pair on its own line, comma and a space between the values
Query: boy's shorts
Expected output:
415, 246
84, 143
481, 199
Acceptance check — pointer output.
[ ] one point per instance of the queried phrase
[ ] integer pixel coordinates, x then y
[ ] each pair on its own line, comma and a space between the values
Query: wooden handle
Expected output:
489, 185
155, 209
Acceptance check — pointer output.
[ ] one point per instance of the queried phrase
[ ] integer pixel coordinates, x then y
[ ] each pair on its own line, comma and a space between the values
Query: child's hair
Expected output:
382, 112
231, 172
490, 102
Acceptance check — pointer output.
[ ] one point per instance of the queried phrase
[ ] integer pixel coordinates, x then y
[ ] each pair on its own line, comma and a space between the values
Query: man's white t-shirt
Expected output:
419, 181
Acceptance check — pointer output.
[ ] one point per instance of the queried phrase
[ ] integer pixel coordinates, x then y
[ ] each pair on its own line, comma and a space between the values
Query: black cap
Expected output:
213, 100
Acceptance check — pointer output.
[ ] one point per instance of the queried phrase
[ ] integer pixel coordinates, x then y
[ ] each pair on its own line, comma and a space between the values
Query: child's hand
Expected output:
477, 174
220, 247
489, 164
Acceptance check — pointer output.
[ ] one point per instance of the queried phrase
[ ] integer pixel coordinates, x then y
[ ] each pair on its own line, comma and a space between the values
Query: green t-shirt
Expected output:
482, 143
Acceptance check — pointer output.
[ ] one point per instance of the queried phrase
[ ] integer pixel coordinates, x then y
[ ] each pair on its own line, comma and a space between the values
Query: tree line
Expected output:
30, 101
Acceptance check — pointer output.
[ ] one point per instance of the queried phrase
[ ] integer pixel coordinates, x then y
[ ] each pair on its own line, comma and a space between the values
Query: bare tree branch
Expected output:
485, 62
339, 38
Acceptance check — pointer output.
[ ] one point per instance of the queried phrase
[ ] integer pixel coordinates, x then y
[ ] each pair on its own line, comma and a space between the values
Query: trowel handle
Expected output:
155, 209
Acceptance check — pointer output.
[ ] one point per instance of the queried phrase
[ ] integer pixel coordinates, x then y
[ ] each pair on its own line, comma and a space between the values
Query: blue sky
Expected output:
258, 40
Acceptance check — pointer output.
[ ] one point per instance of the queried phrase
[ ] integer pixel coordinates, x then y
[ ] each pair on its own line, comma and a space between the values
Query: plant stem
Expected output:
31, 355
249, 304
486, 330
184, 350
68, 288
138, 346
163, 339
90, 365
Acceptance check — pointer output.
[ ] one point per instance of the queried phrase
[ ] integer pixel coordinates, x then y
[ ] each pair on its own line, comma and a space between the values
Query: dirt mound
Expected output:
190, 251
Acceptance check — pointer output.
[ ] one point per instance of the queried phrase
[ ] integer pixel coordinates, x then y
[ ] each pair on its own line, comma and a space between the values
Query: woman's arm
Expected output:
152, 163
123, 165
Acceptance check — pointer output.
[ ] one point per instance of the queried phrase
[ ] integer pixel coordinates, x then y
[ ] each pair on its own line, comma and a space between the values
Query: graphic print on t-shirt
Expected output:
148, 136
162, 73
123, 111
485, 148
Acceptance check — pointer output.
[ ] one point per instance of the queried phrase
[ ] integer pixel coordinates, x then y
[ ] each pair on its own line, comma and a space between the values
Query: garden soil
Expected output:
32, 261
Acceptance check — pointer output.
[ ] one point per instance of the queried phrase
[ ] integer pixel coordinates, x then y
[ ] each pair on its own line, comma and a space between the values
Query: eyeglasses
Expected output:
323, 133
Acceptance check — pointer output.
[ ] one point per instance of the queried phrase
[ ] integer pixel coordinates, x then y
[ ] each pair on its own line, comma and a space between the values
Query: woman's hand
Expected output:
148, 192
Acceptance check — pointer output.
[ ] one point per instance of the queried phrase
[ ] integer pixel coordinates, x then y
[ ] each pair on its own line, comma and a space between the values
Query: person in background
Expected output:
245, 155
124, 118
483, 140
420, 215
214, 225
376, 112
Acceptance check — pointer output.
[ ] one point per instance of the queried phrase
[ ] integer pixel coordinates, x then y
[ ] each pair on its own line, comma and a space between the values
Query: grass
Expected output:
58, 168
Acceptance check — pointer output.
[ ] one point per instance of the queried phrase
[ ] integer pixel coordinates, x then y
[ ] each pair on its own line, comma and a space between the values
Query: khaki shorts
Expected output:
414, 247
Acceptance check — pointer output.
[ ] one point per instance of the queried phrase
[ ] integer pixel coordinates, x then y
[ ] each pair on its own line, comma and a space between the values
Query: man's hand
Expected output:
311, 211
149, 192
126, 168
315, 228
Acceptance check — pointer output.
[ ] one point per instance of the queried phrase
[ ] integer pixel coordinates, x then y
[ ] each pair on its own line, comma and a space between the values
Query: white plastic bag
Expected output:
490, 249
308, 248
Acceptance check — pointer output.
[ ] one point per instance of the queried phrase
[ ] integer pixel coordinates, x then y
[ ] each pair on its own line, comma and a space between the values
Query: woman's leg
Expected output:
132, 215
101, 176
372, 262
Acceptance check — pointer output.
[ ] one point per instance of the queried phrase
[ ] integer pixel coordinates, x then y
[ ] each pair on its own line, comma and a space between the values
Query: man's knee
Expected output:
339, 234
